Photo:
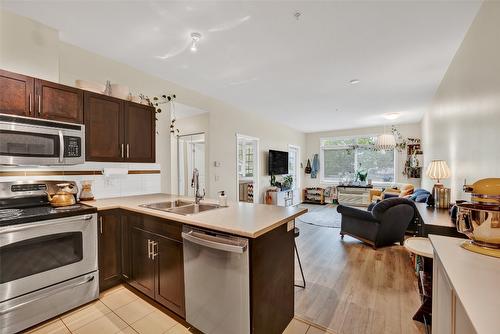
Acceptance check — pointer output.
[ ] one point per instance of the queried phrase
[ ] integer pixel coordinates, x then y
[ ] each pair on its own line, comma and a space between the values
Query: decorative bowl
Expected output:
120, 91
90, 86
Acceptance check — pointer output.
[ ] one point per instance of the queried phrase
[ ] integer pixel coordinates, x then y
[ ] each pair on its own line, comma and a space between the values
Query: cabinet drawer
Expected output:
164, 227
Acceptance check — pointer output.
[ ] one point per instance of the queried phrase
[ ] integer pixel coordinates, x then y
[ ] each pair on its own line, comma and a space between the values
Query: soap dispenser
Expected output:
222, 198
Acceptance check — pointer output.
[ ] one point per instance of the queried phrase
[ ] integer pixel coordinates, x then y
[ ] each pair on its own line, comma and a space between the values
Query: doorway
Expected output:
190, 155
247, 168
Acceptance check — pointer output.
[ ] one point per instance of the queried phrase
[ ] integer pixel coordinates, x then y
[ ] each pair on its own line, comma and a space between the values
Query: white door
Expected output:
247, 168
191, 154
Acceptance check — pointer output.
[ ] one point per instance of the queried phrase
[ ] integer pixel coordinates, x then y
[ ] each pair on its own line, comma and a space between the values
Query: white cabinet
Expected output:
285, 197
448, 313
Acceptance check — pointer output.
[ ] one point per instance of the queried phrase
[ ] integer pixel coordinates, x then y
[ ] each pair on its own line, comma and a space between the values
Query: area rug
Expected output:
321, 215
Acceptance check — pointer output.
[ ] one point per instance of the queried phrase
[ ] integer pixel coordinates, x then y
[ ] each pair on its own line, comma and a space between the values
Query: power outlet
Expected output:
290, 225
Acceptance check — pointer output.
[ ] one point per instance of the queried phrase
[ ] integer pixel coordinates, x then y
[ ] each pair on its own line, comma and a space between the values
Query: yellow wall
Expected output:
463, 124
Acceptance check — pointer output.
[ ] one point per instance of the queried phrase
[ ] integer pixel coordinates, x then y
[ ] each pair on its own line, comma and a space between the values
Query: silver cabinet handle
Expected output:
149, 248
39, 104
122, 151
30, 104
128, 151
100, 224
154, 252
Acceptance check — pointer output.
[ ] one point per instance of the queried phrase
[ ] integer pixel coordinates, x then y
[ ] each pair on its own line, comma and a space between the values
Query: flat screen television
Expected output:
278, 162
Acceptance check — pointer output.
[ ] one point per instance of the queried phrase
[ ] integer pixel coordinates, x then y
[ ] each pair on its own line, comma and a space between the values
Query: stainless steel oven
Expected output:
29, 141
46, 268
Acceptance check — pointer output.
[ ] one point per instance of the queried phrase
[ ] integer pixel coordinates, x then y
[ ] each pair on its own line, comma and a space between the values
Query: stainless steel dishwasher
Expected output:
216, 277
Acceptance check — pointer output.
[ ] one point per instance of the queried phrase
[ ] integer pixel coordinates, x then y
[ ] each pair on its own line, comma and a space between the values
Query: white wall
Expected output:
406, 130
224, 125
58, 61
27, 46
463, 124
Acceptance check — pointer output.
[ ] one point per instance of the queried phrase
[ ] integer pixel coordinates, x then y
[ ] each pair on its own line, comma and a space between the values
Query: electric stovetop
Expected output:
21, 215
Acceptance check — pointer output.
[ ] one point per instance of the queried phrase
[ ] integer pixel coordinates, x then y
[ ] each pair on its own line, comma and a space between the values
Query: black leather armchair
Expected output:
383, 224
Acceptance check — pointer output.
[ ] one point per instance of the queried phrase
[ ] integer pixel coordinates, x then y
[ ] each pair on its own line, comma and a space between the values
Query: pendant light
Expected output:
387, 141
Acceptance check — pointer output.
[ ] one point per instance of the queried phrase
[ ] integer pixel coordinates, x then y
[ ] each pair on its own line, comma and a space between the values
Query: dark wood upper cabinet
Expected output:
110, 246
139, 132
16, 94
115, 130
58, 102
104, 137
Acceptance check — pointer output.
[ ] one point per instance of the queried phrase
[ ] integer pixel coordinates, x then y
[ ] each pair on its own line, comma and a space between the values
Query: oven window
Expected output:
33, 256
26, 144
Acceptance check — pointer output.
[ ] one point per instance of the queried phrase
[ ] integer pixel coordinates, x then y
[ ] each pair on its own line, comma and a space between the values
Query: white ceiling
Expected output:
258, 57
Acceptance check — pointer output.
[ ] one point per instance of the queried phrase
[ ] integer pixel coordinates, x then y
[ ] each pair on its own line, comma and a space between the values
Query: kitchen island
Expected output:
146, 248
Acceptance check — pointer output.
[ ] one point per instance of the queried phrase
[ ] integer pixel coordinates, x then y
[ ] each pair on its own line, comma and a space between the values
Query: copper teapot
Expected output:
64, 196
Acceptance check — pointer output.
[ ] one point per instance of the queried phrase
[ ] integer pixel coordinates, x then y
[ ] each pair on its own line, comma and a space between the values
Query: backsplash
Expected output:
142, 178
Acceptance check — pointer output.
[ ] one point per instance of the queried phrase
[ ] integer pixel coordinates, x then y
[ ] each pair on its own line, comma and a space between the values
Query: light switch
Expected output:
216, 163
290, 225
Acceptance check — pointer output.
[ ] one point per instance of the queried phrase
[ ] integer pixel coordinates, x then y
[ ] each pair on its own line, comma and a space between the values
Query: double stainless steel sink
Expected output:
181, 207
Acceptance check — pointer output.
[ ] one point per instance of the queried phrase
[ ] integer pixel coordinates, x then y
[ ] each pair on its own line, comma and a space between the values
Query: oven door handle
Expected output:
56, 221
61, 146
48, 292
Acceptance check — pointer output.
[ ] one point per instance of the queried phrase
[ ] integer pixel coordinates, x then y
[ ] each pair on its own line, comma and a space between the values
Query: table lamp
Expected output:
438, 170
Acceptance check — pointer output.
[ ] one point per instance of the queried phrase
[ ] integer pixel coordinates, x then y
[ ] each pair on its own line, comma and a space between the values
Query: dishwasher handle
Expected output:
215, 242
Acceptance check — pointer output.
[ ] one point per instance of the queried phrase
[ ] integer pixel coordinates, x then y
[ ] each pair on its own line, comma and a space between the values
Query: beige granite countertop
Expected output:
244, 219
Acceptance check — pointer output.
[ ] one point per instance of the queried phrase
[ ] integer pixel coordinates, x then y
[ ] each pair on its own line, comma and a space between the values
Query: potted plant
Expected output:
287, 182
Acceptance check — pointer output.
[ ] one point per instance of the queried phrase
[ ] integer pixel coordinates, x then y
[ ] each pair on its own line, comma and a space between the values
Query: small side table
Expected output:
419, 246
422, 247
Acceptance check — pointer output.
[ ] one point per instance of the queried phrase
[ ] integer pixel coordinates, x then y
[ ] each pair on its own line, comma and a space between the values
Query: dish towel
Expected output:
315, 167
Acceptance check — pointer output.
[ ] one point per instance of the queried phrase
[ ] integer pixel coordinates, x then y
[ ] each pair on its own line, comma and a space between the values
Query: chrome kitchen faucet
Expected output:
195, 183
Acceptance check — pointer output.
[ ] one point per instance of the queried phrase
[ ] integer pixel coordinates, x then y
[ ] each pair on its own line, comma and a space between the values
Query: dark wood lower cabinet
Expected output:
109, 244
170, 277
145, 252
142, 266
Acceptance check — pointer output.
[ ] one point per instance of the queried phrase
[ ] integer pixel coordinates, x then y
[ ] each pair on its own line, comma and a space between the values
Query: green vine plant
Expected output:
157, 102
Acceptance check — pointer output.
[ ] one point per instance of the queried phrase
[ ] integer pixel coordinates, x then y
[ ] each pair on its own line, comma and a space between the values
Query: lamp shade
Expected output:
438, 170
386, 142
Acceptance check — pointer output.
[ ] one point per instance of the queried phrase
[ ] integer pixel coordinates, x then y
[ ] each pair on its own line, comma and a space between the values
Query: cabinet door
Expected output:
16, 94
103, 128
58, 102
170, 268
109, 243
142, 265
139, 132
127, 221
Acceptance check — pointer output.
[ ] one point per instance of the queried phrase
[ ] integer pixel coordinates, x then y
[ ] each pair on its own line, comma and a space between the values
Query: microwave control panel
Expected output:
72, 147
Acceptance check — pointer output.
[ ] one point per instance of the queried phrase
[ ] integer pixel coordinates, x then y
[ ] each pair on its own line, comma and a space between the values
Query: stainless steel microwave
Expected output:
36, 142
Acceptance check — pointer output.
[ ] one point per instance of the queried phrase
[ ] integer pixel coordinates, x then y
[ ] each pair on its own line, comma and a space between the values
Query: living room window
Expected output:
294, 164
341, 157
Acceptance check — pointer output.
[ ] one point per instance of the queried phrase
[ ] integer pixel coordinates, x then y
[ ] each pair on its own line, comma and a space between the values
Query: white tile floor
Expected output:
118, 311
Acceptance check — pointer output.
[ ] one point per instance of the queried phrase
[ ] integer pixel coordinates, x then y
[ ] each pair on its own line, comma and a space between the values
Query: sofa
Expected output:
383, 224
402, 190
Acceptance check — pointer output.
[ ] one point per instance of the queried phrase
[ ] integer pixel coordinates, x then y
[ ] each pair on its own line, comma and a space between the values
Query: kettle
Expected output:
64, 196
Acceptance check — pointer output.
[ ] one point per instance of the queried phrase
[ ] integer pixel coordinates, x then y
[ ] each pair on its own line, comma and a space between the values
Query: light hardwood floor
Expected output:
352, 288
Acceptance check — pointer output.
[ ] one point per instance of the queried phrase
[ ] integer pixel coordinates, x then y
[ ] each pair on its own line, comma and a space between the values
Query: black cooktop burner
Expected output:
13, 216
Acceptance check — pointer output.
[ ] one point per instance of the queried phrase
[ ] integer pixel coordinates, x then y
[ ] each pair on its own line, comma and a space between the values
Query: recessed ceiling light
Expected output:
391, 115
354, 81
195, 37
